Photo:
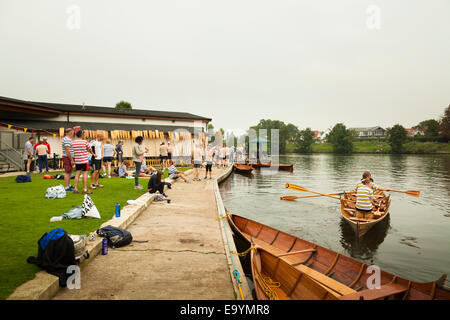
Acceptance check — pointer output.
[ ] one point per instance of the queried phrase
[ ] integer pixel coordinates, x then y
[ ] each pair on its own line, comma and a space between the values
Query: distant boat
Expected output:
281, 167
243, 168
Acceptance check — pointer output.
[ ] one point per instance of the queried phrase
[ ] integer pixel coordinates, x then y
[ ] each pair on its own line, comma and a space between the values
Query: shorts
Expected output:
163, 157
169, 156
82, 167
225, 158
107, 159
209, 167
67, 165
96, 164
197, 164
174, 177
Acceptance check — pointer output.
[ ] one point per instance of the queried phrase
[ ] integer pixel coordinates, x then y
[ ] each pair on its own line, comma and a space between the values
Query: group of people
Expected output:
41, 149
81, 156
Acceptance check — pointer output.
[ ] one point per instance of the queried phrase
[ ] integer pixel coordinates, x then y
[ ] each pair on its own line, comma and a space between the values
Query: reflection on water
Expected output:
319, 220
366, 247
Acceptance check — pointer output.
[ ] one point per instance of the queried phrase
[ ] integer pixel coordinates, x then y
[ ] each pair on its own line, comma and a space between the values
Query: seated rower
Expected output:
364, 199
367, 176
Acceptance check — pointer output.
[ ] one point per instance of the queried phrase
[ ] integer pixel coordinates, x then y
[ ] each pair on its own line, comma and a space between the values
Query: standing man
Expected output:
81, 149
138, 158
67, 158
41, 152
163, 154
119, 153
97, 150
198, 158
29, 153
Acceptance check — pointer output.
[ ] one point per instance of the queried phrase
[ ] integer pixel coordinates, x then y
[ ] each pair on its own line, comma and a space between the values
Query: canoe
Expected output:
286, 167
242, 168
343, 275
275, 279
362, 222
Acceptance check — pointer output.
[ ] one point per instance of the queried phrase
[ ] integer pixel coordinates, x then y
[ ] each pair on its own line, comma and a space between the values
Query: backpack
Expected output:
79, 245
55, 253
57, 192
23, 178
117, 237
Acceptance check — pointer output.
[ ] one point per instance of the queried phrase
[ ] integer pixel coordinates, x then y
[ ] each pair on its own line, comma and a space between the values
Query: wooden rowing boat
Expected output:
341, 274
362, 222
242, 168
258, 165
275, 279
286, 167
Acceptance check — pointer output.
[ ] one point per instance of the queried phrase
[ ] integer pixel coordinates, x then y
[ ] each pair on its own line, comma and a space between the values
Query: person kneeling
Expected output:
155, 184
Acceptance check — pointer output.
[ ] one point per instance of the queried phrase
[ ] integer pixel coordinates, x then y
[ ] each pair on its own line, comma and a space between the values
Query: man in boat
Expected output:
364, 192
367, 176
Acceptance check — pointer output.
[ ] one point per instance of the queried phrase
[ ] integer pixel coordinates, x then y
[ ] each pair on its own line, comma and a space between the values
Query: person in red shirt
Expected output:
44, 142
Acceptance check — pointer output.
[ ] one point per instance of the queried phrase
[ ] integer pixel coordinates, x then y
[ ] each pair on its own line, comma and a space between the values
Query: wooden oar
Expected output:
292, 198
414, 193
299, 188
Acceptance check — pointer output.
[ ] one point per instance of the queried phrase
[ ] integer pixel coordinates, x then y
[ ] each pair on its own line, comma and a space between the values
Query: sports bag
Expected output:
55, 253
80, 251
117, 237
57, 192
23, 178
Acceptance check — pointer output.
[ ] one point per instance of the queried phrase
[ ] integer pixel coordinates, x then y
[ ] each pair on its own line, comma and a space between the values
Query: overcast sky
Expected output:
312, 63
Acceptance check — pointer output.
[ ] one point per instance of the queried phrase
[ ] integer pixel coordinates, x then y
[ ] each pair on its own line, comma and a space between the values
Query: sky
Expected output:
311, 63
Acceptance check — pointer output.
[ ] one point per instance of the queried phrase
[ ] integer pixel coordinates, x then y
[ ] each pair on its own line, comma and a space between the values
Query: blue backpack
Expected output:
23, 178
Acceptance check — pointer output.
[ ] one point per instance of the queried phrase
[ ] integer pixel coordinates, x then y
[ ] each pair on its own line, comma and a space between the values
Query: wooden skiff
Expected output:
286, 167
242, 168
341, 274
275, 279
362, 222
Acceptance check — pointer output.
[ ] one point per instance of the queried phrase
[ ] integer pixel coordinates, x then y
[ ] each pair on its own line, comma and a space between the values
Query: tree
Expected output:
444, 127
210, 126
396, 137
286, 132
341, 139
429, 127
123, 105
305, 140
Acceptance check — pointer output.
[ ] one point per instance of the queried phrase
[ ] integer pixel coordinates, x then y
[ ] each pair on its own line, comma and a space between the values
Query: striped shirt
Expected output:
364, 194
80, 151
66, 142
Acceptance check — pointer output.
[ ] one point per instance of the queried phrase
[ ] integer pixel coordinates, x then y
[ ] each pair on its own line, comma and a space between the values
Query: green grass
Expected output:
25, 217
382, 147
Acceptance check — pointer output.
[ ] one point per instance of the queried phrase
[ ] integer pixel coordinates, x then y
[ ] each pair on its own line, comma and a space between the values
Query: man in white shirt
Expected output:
97, 149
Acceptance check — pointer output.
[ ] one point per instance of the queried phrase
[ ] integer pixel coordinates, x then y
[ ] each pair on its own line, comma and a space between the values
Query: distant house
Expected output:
316, 134
370, 132
413, 132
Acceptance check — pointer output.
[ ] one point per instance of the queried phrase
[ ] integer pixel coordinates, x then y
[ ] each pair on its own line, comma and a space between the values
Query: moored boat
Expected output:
286, 167
275, 279
343, 275
362, 222
243, 168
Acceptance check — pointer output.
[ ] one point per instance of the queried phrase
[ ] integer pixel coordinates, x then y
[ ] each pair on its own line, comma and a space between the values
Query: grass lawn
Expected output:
26, 213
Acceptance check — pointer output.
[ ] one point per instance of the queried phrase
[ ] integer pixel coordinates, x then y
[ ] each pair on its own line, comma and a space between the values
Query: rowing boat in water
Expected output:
258, 165
242, 168
275, 279
362, 222
281, 167
286, 167
341, 274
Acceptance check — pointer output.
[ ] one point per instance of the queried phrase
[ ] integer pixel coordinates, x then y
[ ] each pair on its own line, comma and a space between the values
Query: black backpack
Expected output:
117, 237
55, 253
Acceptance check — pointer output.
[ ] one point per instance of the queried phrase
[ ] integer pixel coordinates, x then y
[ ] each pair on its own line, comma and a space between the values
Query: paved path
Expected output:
184, 257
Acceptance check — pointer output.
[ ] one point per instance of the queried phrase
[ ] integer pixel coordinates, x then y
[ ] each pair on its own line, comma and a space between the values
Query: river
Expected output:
413, 242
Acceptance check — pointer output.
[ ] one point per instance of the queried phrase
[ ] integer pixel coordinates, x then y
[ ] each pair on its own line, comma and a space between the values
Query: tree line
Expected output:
341, 138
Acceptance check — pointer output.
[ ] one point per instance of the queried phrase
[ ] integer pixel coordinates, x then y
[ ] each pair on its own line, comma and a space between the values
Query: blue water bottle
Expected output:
104, 246
117, 210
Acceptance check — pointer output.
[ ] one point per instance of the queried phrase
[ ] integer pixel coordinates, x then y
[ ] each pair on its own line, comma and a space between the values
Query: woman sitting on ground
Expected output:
155, 184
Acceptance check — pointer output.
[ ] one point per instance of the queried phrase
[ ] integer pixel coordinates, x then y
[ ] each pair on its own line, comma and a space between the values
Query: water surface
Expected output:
413, 242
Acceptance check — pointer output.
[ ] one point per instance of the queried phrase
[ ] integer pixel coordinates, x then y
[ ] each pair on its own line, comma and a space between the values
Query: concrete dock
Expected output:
185, 256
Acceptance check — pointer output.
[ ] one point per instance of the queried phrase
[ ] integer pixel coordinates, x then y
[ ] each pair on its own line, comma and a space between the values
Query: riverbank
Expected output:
382, 147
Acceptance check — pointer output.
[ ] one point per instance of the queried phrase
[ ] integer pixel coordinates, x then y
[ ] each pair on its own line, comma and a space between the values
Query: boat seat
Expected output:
385, 291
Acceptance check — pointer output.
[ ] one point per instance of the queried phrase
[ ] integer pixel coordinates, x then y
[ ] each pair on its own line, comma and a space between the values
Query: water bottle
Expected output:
117, 210
104, 246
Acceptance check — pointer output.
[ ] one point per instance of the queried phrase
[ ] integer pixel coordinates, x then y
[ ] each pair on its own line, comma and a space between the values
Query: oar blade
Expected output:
288, 198
414, 193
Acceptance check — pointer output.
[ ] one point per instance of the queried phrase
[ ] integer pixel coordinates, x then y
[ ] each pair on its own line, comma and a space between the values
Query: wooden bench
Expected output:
376, 294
